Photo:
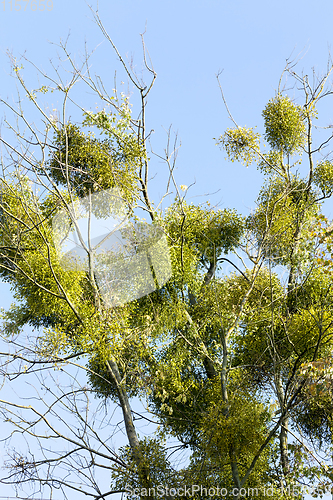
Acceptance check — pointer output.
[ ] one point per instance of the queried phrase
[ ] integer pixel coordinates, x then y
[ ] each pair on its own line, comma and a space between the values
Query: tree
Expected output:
235, 366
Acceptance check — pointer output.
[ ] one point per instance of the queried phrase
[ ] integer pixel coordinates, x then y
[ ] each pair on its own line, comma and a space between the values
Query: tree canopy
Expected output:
235, 366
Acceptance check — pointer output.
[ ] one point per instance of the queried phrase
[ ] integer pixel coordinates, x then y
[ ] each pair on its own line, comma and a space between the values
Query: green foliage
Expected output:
241, 144
206, 233
284, 125
161, 475
323, 177
272, 164
314, 415
130, 347
115, 127
239, 425
285, 211
89, 164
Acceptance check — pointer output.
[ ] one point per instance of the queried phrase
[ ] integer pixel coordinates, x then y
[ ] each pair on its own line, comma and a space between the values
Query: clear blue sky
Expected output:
189, 41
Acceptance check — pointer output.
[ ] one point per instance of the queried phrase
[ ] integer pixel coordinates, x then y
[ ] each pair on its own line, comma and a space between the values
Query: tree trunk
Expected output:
284, 446
283, 429
132, 436
232, 454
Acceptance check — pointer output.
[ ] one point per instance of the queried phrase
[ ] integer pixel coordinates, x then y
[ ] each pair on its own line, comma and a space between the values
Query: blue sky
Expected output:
189, 41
